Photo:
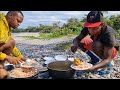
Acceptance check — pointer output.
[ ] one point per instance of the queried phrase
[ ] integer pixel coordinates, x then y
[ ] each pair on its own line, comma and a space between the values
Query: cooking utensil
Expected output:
48, 59
32, 77
9, 67
60, 69
38, 66
39, 70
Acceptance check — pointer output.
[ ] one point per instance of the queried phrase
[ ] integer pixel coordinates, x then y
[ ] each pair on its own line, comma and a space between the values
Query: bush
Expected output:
118, 34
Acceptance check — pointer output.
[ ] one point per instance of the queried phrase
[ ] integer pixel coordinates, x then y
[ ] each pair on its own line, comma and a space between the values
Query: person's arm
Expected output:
3, 39
2, 56
76, 41
10, 59
106, 60
6, 56
16, 52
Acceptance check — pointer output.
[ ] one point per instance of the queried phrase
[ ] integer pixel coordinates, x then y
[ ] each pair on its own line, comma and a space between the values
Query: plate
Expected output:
71, 59
48, 61
49, 58
30, 64
25, 66
61, 57
83, 66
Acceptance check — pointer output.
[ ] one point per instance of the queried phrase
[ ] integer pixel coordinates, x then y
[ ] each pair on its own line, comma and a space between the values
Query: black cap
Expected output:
94, 18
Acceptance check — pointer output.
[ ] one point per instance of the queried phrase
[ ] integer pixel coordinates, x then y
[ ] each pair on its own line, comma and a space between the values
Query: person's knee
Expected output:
2, 64
97, 45
12, 42
97, 48
3, 73
1, 47
9, 45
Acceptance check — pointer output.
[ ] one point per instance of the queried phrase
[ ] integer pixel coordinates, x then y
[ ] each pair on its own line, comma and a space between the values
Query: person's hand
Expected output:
91, 69
74, 49
24, 59
87, 40
14, 60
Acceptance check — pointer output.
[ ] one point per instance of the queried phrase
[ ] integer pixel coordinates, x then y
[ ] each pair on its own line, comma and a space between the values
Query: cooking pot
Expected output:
60, 69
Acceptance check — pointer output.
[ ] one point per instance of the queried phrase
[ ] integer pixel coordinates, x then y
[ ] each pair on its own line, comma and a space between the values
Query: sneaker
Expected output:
107, 70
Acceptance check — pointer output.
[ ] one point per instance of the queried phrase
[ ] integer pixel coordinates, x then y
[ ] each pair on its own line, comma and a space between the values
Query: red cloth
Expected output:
88, 46
115, 52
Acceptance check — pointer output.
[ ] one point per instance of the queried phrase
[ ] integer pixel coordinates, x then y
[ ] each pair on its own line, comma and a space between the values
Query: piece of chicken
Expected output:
77, 61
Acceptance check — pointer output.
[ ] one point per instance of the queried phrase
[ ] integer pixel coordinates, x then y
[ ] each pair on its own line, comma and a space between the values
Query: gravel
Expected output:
37, 49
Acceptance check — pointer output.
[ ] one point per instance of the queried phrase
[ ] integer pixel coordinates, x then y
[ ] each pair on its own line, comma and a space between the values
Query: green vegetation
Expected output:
64, 46
72, 27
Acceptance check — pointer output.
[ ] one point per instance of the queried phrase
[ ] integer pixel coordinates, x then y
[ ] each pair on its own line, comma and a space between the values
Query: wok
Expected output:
60, 69
31, 77
11, 67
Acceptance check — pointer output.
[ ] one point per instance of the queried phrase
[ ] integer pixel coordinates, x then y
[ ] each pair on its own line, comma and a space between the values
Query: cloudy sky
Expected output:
34, 18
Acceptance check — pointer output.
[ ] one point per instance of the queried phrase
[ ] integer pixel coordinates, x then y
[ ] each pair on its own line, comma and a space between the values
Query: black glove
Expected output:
74, 49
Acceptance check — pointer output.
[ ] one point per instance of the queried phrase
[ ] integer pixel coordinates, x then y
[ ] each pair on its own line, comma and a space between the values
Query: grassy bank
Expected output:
48, 36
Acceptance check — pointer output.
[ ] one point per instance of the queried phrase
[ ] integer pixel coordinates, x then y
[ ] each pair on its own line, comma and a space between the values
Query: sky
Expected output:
34, 18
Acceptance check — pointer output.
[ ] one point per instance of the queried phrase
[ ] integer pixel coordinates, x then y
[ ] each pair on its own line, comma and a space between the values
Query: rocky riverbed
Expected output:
37, 49
37, 52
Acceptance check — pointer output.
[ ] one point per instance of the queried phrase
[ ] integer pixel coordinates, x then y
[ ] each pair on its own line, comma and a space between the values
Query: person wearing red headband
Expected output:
102, 40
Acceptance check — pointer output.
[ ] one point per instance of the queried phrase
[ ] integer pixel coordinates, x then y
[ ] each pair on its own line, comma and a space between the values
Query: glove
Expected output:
74, 49
87, 40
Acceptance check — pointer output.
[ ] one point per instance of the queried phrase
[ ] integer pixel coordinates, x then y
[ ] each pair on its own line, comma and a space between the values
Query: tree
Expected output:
56, 25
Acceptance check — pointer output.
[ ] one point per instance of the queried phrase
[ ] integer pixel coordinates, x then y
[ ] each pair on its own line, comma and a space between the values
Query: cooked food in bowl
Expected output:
83, 66
29, 64
20, 73
78, 64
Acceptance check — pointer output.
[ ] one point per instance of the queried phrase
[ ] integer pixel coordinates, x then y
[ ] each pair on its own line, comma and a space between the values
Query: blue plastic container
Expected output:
93, 56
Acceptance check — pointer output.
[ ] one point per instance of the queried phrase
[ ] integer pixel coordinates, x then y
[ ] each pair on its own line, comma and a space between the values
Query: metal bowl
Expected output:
60, 69
31, 77
9, 67
40, 69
